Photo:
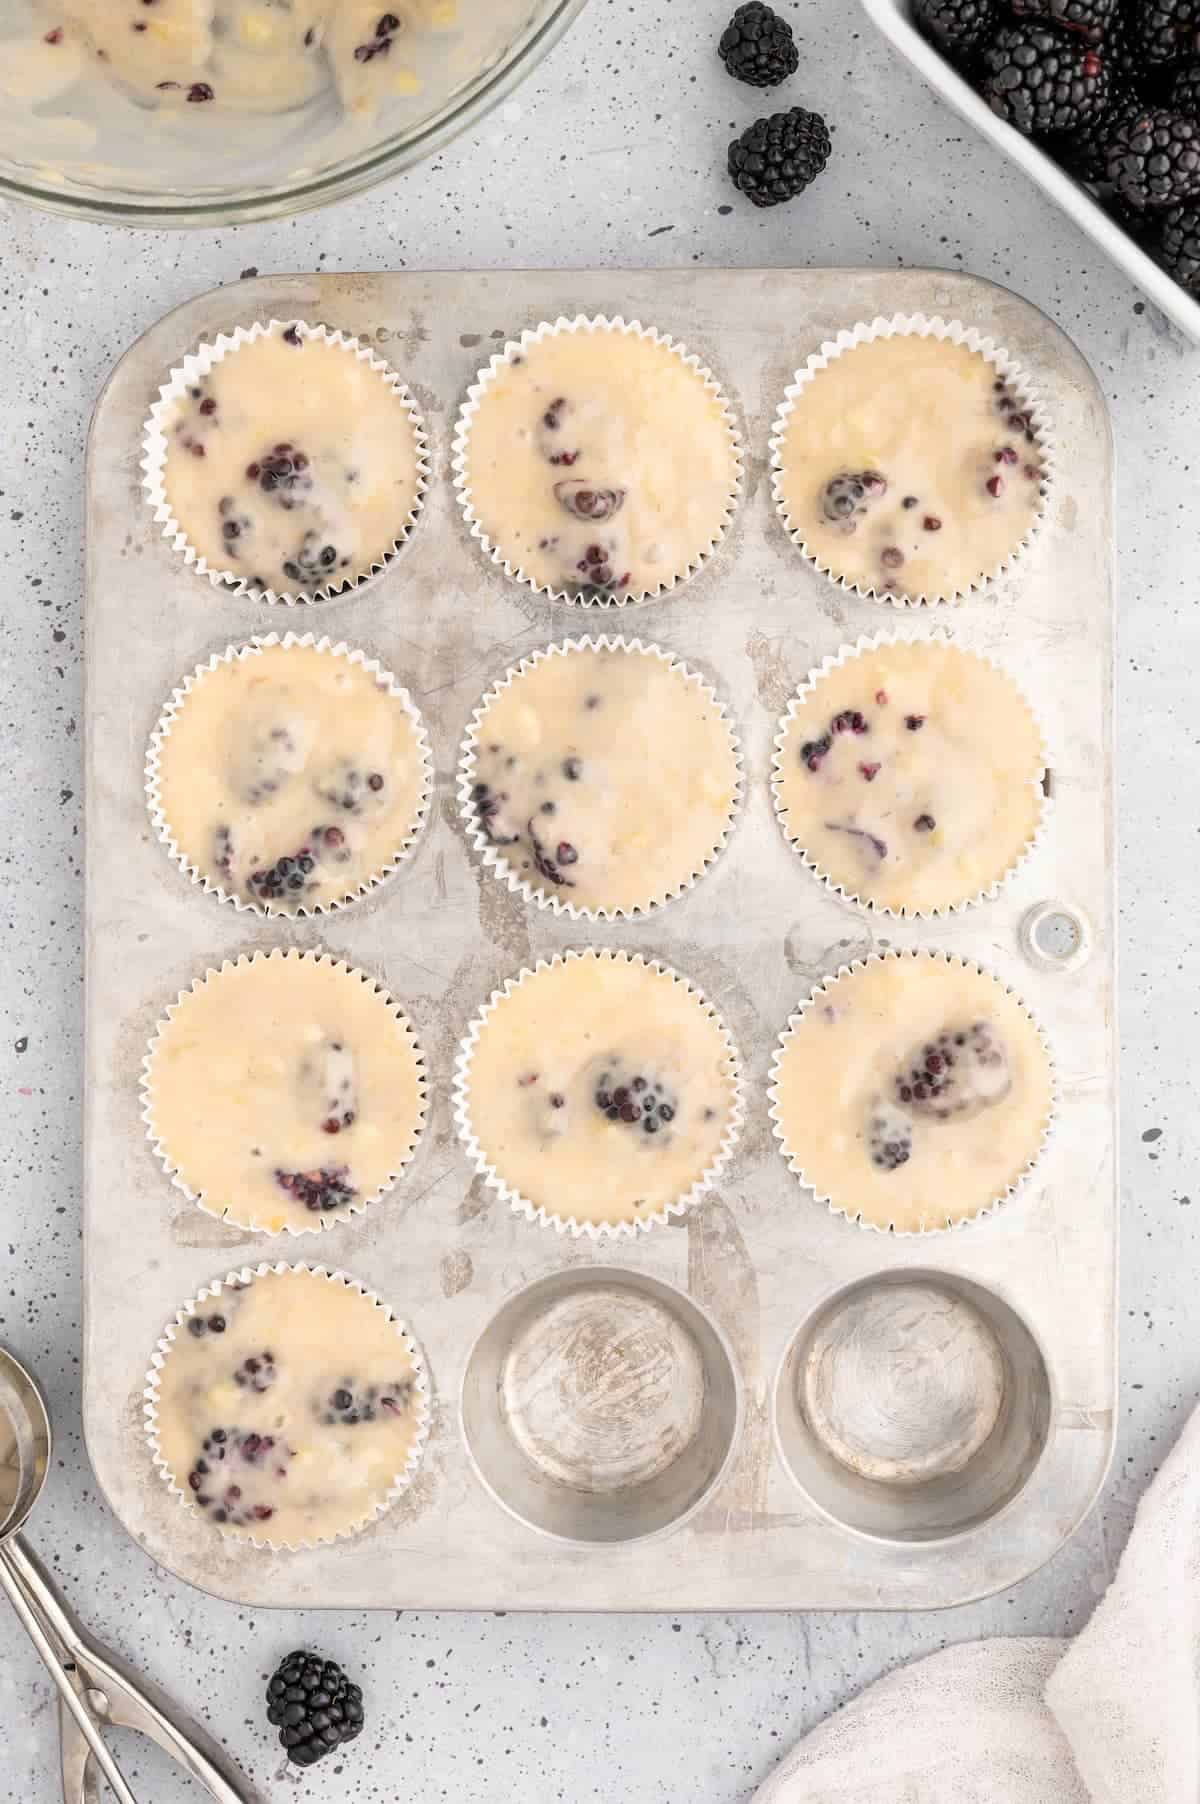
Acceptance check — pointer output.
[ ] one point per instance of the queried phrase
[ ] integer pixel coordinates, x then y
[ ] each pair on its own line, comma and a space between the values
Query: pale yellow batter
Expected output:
293, 464
913, 1092
599, 464
284, 1091
262, 56
600, 1089
288, 1407
606, 778
909, 467
290, 777
911, 776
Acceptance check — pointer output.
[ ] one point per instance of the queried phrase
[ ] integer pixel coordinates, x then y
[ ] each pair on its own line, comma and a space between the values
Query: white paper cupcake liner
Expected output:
903, 326
846, 655
178, 700
239, 1280
493, 857
796, 1165
539, 1213
154, 458
322, 1221
514, 348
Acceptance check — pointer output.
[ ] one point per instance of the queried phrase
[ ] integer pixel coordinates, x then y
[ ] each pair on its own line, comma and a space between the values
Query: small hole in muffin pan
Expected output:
1056, 936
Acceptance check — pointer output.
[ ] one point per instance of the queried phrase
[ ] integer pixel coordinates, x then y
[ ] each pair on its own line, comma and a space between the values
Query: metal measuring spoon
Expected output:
94, 1686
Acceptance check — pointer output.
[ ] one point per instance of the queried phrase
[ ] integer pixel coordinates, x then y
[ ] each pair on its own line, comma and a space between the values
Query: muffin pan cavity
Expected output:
912, 1406
600, 1406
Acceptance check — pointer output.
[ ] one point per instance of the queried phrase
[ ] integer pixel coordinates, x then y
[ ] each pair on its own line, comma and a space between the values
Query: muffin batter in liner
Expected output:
1018, 391
809, 1111
552, 883
591, 505
187, 382
211, 879
335, 1081
856, 741
620, 974
251, 1395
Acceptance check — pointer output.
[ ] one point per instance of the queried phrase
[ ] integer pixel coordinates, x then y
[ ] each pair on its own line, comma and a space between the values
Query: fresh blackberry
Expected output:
346, 786
1178, 248
1043, 82
889, 1137
638, 1101
313, 1705
1123, 50
757, 46
290, 872
1129, 73
957, 27
257, 1373
1085, 151
960, 1073
1168, 30
349, 1404
848, 496
1088, 19
1183, 92
1141, 227
776, 158
1154, 159
326, 1188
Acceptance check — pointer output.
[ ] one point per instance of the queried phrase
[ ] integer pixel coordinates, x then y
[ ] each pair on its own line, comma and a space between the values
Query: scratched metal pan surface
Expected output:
754, 1516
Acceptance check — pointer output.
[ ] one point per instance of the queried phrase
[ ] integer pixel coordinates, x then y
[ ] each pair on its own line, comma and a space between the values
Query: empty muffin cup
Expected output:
912, 1406
600, 1406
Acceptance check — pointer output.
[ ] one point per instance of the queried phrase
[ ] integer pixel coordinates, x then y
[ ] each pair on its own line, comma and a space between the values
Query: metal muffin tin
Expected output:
760, 1405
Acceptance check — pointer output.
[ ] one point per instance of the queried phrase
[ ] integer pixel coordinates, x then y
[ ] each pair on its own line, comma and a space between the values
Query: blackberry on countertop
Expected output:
776, 158
1178, 248
1154, 159
1167, 30
1042, 81
958, 27
1183, 93
313, 1705
1089, 19
757, 46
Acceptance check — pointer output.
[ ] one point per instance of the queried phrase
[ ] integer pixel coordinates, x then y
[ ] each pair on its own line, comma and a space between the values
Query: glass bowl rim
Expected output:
393, 155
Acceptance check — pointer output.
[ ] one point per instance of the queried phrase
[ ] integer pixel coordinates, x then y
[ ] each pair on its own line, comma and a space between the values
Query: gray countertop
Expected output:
613, 154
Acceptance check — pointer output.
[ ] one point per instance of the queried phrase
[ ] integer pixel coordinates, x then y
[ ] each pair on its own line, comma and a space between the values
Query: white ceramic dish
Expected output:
894, 20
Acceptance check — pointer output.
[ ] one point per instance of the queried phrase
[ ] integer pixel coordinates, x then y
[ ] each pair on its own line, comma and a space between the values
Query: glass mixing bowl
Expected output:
84, 145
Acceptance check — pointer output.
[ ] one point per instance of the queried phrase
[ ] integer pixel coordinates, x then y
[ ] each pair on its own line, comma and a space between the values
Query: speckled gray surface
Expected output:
611, 155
